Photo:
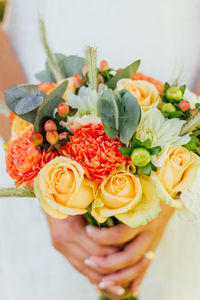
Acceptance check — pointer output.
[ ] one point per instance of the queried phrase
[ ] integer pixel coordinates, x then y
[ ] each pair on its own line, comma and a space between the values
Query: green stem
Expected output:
16, 192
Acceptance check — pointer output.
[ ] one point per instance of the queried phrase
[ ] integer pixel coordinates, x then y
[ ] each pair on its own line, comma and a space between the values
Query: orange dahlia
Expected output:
96, 152
158, 84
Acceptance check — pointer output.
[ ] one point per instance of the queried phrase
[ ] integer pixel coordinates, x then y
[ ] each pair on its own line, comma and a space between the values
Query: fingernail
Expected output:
90, 263
120, 291
105, 284
88, 229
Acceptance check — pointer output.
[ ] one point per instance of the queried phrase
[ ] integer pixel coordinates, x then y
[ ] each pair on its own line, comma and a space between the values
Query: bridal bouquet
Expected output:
109, 144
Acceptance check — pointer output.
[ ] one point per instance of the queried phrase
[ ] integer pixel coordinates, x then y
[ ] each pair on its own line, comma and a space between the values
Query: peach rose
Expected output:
145, 92
176, 175
130, 199
62, 188
19, 127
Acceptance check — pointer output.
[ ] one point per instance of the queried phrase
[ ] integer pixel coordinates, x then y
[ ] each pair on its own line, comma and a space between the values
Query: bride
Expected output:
164, 35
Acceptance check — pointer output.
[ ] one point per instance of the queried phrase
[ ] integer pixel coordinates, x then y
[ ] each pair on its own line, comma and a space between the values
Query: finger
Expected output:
112, 236
129, 256
135, 286
128, 274
93, 277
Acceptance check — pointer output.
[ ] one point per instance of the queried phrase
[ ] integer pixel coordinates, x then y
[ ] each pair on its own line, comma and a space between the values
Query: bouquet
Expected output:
112, 145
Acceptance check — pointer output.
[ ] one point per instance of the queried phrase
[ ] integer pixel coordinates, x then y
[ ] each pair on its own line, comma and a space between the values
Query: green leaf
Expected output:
146, 144
59, 59
193, 143
43, 77
16, 94
147, 169
154, 168
182, 88
197, 106
128, 72
166, 87
49, 104
109, 113
28, 104
136, 143
155, 150
129, 115
125, 151
72, 65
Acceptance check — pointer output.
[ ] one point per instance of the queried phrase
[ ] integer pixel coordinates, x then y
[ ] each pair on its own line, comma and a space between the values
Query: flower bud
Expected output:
63, 108
49, 126
168, 108
63, 135
73, 126
84, 70
140, 157
100, 79
104, 65
36, 138
174, 93
184, 105
52, 137
78, 80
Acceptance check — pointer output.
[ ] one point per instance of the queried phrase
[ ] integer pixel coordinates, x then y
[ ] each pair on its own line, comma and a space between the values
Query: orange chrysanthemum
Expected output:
158, 84
96, 152
47, 87
24, 160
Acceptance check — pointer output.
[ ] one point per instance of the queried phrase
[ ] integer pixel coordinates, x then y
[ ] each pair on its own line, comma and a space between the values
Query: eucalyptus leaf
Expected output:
59, 59
108, 110
28, 104
130, 115
128, 72
43, 76
49, 104
72, 65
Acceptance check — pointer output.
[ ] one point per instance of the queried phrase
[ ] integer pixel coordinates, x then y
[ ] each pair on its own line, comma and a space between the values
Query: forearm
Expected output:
11, 73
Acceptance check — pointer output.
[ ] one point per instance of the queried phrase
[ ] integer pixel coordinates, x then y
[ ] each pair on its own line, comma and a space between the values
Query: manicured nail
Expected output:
105, 284
90, 263
120, 291
88, 229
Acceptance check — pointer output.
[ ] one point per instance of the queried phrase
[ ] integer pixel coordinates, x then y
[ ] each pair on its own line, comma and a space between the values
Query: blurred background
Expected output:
2, 9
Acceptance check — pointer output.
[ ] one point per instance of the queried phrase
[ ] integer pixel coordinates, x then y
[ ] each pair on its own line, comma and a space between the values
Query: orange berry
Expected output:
63, 108
100, 79
73, 126
78, 80
49, 126
104, 65
52, 137
193, 112
184, 105
119, 70
36, 138
84, 70
63, 135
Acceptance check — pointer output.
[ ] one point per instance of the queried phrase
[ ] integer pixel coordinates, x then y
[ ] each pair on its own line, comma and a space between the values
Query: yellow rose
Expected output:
62, 188
176, 175
145, 92
121, 195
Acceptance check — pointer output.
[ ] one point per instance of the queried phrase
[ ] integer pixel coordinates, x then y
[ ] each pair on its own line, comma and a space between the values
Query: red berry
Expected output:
100, 79
184, 105
104, 65
73, 126
193, 112
63, 135
84, 70
52, 137
63, 108
36, 138
49, 126
78, 80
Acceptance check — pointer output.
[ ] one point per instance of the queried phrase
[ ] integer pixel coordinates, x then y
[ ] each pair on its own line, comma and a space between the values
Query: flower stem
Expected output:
16, 192
91, 64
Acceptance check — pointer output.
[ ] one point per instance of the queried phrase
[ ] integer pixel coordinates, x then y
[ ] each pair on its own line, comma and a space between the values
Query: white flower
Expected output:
86, 100
162, 132
84, 120
191, 200
191, 97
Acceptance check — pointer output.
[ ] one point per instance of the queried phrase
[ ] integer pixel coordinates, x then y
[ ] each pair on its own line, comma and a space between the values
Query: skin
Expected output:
114, 256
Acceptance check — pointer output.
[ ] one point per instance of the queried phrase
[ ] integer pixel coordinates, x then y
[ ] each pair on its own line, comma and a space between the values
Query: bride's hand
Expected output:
130, 264
69, 237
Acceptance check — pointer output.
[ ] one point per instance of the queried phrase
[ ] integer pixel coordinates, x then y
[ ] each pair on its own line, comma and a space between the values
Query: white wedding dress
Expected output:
165, 35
